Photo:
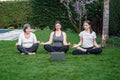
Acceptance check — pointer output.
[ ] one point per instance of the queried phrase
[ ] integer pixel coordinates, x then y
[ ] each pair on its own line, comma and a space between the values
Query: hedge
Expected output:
43, 13
14, 13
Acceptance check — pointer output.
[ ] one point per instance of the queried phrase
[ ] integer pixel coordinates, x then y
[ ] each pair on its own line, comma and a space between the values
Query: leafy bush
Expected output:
41, 13
14, 13
46, 12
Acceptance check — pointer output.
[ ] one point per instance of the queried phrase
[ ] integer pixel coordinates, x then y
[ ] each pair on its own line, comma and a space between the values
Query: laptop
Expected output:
57, 56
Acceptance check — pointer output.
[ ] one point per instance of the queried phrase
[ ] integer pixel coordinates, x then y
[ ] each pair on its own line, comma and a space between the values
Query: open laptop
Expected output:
57, 56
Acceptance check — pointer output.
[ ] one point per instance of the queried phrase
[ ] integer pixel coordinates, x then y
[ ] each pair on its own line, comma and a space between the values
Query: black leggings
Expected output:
28, 50
50, 48
90, 50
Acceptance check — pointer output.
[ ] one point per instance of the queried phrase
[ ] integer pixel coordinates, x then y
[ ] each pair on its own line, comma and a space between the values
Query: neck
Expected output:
87, 30
58, 30
27, 33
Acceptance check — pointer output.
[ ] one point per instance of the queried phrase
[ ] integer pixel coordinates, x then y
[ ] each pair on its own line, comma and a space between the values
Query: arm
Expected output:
95, 43
65, 39
50, 39
79, 44
34, 38
19, 40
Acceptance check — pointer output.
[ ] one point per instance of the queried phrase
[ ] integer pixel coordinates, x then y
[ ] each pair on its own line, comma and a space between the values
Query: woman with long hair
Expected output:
58, 37
87, 42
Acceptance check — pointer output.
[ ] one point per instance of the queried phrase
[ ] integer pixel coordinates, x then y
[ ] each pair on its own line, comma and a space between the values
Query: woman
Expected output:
27, 42
58, 37
87, 41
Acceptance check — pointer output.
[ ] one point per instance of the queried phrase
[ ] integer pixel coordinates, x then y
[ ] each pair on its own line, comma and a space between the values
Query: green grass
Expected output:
14, 66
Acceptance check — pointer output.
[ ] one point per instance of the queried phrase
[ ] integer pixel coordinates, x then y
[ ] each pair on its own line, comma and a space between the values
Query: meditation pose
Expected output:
58, 37
87, 44
27, 42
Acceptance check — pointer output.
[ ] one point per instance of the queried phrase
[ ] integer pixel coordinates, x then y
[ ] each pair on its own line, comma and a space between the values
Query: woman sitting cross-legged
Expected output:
87, 41
58, 37
27, 42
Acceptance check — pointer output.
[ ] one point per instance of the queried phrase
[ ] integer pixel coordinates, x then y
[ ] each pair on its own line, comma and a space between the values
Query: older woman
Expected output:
58, 37
27, 42
87, 42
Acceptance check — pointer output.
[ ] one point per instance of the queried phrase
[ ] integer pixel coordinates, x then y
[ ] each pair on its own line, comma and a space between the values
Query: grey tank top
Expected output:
57, 40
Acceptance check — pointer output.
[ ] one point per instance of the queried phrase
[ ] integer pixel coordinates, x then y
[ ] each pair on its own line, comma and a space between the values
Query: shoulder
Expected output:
81, 33
52, 33
32, 34
63, 33
93, 32
22, 34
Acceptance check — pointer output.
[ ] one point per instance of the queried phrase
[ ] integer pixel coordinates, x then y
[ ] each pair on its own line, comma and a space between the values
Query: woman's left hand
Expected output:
98, 46
69, 44
38, 41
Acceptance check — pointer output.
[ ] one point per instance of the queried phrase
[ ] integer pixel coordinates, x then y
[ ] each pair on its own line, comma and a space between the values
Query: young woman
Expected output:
87, 42
58, 37
27, 42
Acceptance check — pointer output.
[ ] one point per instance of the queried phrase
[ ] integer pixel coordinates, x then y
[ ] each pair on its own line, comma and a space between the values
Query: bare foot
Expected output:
31, 53
22, 53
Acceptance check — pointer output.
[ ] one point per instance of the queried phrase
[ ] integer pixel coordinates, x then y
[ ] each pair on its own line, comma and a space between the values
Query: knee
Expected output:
74, 52
36, 44
99, 50
46, 46
18, 46
66, 47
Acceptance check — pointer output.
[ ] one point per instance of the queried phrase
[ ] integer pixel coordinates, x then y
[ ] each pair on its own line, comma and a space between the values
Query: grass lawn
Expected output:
14, 66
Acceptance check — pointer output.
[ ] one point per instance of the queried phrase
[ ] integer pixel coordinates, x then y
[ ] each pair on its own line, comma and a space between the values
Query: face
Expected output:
28, 30
86, 26
57, 26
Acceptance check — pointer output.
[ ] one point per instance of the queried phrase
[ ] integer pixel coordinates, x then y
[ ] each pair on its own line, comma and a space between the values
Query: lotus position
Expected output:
58, 38
27, 42
87, 44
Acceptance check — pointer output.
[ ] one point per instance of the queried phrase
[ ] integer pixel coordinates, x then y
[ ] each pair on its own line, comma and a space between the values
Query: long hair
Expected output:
89, 22
57, 22
26, 26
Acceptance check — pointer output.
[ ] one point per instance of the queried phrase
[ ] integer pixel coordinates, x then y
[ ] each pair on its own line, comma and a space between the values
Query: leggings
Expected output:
28, 50
90, 50
50, 48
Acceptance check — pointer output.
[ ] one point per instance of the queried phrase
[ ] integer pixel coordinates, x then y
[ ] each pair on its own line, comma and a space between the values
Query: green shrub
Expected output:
14, 13
46, 12
41, 13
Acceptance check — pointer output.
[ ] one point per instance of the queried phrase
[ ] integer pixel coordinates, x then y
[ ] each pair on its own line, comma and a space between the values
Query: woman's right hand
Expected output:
69, 44
75, 45
16, 44
42, 43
